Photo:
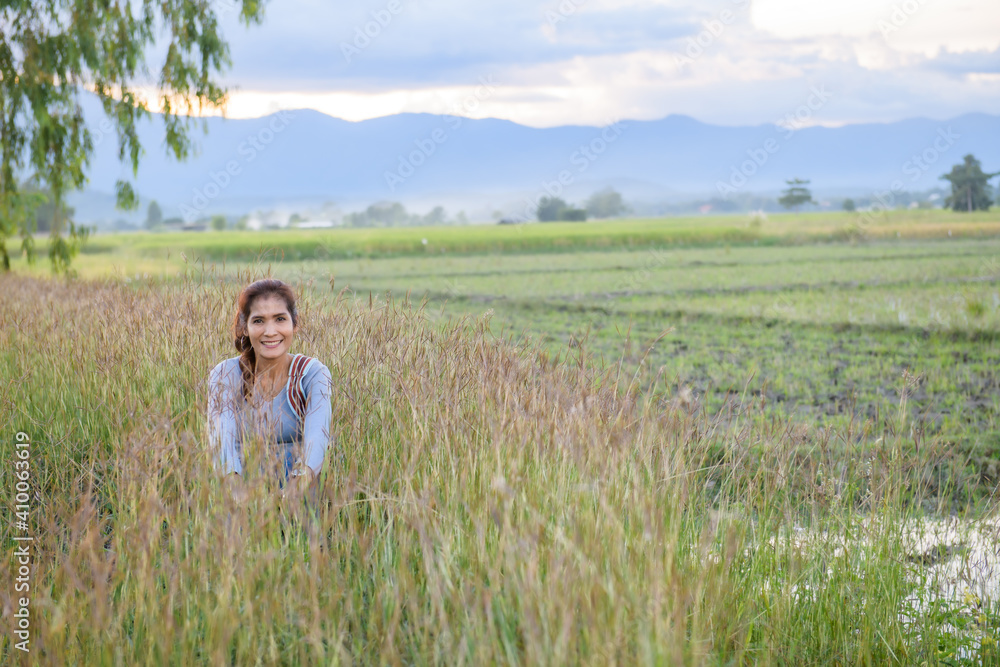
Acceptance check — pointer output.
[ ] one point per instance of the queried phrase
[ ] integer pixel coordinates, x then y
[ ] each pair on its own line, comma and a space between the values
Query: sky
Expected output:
591, 62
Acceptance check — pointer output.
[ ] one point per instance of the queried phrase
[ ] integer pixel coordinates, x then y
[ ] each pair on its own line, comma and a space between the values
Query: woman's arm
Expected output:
319, 411
222, 422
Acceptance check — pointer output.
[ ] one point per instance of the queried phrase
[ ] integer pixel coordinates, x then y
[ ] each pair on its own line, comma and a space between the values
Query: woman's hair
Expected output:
241, 337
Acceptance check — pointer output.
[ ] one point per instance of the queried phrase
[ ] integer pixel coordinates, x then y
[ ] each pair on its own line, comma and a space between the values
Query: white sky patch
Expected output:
958, 27
538, 106
795, 19
346, 105
469, 101
991, 79
912, 26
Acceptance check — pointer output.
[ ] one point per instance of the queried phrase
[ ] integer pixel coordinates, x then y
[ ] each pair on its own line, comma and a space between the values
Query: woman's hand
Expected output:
237, 490
299, 483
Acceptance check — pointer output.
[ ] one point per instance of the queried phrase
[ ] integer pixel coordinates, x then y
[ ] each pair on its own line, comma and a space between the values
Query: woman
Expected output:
269, 392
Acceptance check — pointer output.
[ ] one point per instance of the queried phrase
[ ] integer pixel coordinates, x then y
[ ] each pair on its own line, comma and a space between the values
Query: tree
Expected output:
796, 194
387, 214
436, 216
218, 223
357, 220
970, 188
573, 214
47, 217
43, 210
154, 215
52, 49
849, 205
605, 203
379, 214
549, 208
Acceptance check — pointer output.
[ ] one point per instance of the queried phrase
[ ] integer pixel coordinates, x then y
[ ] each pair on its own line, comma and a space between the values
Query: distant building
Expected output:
268, 220
319, 224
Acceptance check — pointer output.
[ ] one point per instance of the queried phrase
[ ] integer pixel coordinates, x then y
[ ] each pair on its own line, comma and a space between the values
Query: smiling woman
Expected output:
269, 395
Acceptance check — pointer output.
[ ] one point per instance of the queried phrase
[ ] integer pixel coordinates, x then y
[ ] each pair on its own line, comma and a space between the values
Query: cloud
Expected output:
587, 61
423, 42
970, 62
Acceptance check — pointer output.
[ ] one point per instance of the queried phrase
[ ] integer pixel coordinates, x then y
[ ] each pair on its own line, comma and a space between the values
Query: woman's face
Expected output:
270, 327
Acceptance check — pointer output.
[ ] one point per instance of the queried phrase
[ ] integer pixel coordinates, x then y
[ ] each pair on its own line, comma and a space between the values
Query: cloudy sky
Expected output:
728, 62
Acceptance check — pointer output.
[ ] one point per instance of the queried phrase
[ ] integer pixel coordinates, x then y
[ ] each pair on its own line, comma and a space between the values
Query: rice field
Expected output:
823, 333
653, 451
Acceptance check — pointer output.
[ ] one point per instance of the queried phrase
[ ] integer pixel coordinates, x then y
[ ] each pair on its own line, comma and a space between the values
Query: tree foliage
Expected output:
380, 214
549, 208
796, 194
51, 51
154, 215
436, 216
606, 203
970, 188
43, 209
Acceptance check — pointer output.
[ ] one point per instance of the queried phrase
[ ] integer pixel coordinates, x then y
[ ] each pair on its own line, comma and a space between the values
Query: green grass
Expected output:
295, 245
665, 277
822, 332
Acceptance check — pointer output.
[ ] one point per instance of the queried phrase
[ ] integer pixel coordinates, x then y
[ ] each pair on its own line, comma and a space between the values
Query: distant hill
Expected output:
306, 156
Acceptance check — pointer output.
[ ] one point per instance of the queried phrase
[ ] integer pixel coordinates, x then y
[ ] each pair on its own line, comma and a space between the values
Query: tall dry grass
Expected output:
481, 504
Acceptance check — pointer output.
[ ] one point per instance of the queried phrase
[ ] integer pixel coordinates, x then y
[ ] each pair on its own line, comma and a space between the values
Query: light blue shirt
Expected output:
231, 421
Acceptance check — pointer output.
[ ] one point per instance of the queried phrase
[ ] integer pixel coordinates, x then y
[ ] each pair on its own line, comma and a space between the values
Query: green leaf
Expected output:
51, 51
125, 197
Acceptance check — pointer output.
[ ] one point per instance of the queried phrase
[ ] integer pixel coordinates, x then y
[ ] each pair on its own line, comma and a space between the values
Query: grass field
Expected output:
823, 333
700, 441
162, 254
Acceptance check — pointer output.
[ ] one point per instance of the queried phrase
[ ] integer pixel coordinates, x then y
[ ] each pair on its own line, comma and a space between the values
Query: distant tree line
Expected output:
606, 203
394, 214
970, 189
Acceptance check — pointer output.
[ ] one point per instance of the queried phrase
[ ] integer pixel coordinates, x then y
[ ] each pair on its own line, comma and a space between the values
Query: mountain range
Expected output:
303, 157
